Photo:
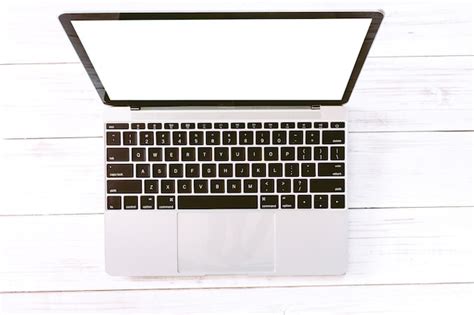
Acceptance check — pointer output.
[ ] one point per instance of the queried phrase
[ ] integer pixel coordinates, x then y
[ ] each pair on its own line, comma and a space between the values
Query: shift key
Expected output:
124, 186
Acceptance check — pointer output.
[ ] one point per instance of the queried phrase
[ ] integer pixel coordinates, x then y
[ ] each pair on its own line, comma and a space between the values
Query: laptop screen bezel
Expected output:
67, 18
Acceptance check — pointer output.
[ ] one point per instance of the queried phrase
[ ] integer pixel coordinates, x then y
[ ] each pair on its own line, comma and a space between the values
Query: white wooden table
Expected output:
411, 188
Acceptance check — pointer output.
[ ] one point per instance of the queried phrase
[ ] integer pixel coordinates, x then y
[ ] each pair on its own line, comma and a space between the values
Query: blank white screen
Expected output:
278, 59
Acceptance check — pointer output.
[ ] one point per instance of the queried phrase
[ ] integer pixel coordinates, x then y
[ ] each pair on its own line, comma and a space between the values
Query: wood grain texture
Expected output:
399, 299
385, 170
397, 246
393, 94
410, 27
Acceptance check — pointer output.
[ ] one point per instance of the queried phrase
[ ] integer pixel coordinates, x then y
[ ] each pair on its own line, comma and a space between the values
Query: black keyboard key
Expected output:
287, 153
184, 186
142, 170
312, 137
337, 153
331, 169
201, 186
188, 125
155, 154
258, 170
165, 202
270, 125
119, 170
283, 185
192, 170
221, 125
275, 170
225, 170
279, 137
167, 186
287, 201
237, 125
296, 137
188, 154
237, 154
114, 202
146, 138
245, 137
320, 153
242, 170
113, 138
269, 202
204, 126
130, 138
147, 202
304, 153
250, 186
117, 126
118, 154
175, 170
171, 126
321, 125
254, 125
308, 169
213, 138
171, 154
209, 170
254, 154
267, 185
138, 154
262, 137
338, 124
151, 186
326, 185
287, 125
304, 202
234, 186
217, 202
320, 202
300, 185
270, 153
221, 154
333, 137
217, 186
155, 125
130, 202
229, 137
159, 170
304, 125
196, 138
204, 154
292, 170
180, 138
162, 137
138, 126
123, 186
337, 202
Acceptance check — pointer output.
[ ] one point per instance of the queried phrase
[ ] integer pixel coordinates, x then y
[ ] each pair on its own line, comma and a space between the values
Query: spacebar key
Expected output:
217, 202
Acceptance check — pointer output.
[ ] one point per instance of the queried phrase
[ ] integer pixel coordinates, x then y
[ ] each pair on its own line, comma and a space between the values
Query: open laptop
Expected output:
229, 152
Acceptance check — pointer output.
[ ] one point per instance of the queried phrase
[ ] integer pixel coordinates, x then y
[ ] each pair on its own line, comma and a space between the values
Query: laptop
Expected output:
225, 138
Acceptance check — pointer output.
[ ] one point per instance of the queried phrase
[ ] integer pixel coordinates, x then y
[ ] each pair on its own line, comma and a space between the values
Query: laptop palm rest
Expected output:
224, 241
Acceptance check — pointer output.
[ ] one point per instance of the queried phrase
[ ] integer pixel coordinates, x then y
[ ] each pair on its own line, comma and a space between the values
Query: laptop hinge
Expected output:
315, 107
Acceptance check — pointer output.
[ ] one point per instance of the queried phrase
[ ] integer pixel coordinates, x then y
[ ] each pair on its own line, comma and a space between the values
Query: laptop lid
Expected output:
238, 58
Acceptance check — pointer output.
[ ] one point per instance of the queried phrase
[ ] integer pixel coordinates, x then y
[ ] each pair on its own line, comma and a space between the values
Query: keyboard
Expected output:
225, 165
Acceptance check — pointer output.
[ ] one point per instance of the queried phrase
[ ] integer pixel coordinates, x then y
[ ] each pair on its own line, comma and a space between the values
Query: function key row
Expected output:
224, 125
247, 137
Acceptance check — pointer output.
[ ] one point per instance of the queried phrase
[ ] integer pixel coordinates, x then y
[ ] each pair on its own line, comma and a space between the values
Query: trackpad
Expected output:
226, 242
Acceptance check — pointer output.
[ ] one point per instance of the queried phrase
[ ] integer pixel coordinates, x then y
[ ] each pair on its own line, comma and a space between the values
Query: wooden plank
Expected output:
400, 299
410, 27
394, 94
387, 246
385, 170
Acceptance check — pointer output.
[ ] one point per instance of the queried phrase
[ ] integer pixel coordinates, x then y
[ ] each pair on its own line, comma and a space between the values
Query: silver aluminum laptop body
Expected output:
176, 242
